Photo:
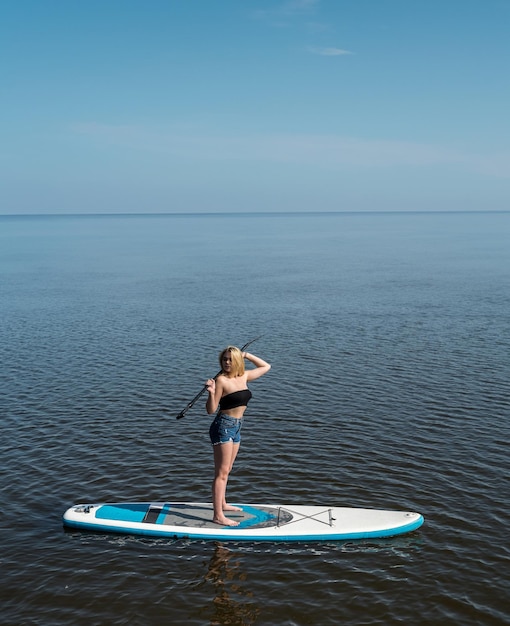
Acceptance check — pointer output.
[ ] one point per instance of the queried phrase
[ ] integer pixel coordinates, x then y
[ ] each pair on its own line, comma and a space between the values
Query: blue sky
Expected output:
244, 105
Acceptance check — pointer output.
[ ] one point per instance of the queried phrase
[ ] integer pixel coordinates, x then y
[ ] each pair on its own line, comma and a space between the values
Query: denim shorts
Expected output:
225, 429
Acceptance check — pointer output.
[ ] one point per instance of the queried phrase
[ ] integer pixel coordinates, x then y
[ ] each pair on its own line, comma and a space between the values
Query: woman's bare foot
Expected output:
224, 521
231, 507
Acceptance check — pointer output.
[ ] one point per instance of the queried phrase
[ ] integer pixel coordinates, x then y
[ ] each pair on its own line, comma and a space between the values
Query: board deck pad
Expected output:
191, 515
256, 522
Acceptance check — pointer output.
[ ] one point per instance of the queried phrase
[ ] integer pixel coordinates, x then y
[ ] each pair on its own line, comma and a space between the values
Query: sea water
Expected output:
389, 339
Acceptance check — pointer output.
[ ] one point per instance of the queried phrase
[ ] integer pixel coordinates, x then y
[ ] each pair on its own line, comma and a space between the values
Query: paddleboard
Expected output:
257, 522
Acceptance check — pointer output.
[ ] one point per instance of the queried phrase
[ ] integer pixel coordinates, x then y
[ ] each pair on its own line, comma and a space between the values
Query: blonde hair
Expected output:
237, 360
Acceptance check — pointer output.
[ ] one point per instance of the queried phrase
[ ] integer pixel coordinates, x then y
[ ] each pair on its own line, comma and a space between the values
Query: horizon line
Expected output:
248, 213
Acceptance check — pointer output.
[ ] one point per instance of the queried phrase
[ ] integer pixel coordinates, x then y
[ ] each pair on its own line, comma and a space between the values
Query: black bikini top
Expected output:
235, 399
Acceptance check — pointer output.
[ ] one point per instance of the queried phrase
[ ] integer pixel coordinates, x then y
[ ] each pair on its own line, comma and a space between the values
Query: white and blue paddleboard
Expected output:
257, 522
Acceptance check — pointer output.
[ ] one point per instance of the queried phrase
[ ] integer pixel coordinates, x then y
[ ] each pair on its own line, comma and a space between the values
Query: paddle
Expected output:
204, 388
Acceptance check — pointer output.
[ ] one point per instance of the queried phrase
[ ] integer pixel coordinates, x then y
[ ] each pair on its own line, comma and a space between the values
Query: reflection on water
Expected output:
233, 601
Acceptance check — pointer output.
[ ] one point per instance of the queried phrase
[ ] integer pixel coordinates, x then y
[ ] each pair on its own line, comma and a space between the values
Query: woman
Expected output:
230, 392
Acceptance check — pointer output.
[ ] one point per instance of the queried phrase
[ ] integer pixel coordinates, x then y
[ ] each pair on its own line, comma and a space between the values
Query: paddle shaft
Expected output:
204, 388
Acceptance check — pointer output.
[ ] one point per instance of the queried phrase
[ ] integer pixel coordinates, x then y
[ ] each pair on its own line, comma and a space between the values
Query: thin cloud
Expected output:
287, 9
322, 151
329, 52
298, 6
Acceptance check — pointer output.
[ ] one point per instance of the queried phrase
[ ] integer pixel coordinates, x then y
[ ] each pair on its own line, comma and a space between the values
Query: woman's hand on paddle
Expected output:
212, 401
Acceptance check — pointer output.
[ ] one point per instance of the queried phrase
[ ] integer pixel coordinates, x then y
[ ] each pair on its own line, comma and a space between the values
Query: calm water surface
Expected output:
389, 336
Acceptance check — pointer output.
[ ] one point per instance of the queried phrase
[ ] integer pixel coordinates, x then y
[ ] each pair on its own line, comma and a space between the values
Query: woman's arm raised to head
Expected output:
261, 366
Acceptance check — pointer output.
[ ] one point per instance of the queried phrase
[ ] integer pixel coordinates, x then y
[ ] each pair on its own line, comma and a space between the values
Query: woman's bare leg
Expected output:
224, 457
230, 507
